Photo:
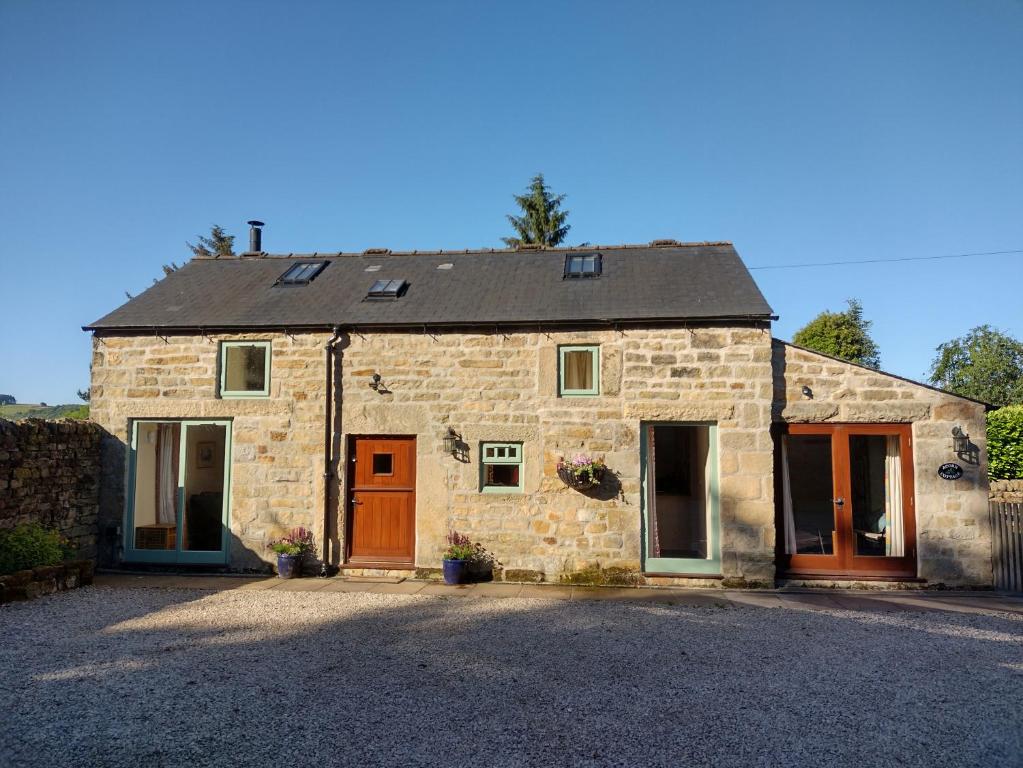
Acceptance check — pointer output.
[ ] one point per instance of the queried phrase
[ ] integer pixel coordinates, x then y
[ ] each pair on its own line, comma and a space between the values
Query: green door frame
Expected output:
711, 565
177, 555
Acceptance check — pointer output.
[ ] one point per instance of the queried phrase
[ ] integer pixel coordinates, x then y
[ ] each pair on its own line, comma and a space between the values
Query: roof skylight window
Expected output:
582, 265
301, 273
387, 289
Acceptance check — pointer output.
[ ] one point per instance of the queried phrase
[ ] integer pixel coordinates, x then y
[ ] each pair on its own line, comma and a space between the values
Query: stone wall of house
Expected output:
488, 387
951, 516
504, 387
277, 441
49, 474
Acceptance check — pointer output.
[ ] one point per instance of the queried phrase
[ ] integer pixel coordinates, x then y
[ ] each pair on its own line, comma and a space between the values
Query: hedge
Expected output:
1005, 443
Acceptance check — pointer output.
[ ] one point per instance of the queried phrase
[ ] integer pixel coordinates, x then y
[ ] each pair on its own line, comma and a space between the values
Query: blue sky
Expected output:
801, 131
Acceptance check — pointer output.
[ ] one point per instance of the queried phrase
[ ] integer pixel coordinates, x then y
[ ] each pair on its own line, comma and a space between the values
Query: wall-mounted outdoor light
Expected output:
807, 392
378, 386
451, 442
960, 440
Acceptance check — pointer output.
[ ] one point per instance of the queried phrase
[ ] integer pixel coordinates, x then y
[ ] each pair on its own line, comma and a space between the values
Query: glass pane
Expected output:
156, 485
383, 463
679, 524
811, 488
502, 475
578, 369
245, 369
876, 495
203, 528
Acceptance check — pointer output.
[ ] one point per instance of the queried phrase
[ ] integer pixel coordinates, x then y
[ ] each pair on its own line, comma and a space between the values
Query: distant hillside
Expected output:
29, 411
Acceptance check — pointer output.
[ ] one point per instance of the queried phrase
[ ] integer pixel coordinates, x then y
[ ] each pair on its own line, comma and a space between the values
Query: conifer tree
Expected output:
542, 222
218, 245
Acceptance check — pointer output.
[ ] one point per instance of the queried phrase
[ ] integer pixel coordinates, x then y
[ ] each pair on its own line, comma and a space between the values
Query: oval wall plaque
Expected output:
950, 471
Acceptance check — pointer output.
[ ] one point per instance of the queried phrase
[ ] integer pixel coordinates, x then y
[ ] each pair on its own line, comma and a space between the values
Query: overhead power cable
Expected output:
885, 261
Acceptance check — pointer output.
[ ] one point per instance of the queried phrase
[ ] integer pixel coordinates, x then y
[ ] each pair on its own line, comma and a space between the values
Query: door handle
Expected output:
839, 501
355, 500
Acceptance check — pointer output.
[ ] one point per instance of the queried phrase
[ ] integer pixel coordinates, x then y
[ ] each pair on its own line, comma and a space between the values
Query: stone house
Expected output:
382, 399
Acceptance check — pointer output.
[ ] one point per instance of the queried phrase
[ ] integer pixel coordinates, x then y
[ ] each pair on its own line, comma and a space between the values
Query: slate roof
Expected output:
700, 281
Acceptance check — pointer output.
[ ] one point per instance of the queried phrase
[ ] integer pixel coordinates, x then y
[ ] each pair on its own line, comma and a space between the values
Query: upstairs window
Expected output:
501, 467
582, 265
387, 289
579, 371
245, 369
301, 273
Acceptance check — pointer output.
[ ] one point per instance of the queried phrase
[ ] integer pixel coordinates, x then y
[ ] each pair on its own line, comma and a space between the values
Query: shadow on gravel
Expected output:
179, 678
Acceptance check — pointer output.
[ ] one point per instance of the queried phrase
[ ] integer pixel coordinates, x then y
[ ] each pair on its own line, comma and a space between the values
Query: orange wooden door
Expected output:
382, 501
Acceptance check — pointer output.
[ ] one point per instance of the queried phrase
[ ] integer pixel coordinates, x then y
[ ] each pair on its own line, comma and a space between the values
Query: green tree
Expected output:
841, 334
542, 222
217, 245
985, 364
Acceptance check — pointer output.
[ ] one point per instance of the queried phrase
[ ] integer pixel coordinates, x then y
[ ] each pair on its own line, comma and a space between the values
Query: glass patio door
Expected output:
178, 492
846, 500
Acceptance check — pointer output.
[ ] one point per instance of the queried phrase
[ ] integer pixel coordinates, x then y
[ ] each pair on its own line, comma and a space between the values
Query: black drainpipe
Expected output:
328, 450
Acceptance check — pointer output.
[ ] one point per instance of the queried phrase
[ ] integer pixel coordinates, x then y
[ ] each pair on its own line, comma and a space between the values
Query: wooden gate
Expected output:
1007, 545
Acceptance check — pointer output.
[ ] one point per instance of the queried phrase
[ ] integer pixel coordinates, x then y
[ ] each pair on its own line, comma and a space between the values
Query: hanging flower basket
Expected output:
581, 471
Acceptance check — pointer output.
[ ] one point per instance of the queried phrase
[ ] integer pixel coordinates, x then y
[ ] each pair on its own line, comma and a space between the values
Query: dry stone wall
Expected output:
49, 474
1010, 491
951, 515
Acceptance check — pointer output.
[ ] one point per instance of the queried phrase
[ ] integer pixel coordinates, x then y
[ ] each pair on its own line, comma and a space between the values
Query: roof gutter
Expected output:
418, 326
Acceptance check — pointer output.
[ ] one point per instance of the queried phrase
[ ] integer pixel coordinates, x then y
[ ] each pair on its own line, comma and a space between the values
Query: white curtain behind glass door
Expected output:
166, 511
894, 534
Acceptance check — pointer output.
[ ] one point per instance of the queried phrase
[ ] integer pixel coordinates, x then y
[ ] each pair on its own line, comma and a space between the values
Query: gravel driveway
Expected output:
147, 677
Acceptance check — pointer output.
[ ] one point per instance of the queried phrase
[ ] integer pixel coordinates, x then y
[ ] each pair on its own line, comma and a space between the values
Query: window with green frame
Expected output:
579, 370
244, 368
501, 467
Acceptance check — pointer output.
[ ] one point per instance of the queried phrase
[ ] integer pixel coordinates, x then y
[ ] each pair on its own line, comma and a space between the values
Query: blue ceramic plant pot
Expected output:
455, 571
289, 566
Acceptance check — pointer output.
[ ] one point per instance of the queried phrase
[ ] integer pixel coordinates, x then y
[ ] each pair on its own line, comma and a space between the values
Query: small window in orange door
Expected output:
383, 463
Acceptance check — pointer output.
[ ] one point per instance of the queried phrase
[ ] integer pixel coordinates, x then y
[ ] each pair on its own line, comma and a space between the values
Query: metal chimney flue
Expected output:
255, 237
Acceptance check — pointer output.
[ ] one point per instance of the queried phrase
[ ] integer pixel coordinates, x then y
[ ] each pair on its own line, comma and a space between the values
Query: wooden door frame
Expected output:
679, 566
350, 489
847, 564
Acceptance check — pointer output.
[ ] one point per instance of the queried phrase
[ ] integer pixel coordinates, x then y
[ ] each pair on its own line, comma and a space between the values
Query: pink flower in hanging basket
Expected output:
581, 471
